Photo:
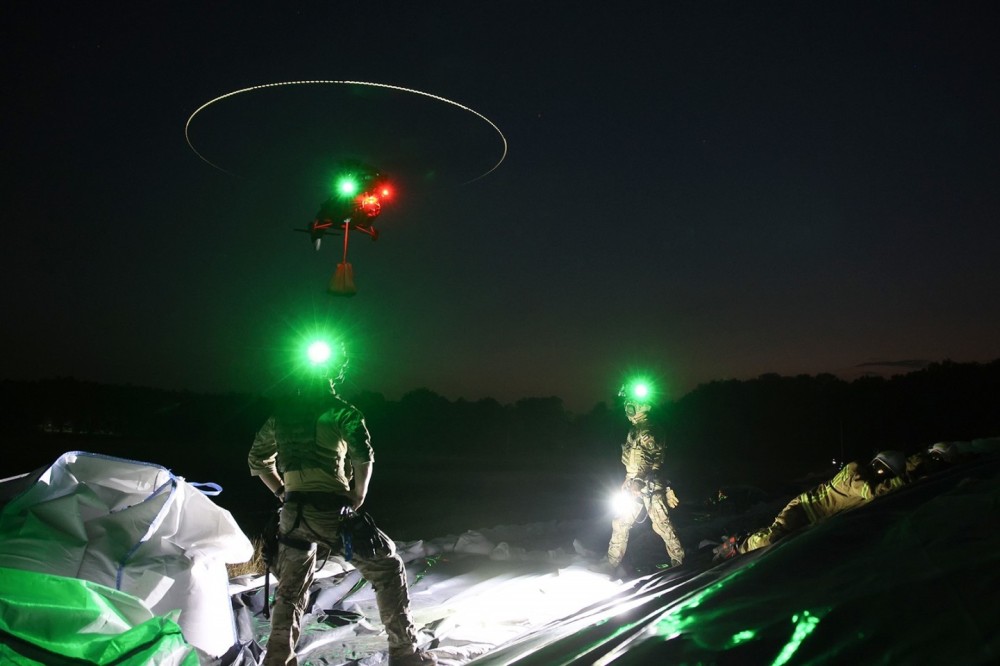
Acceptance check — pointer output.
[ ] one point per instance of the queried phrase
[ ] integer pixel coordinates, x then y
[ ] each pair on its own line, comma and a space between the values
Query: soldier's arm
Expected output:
652, 454
262, 459
362, 476
274, 483
360, 453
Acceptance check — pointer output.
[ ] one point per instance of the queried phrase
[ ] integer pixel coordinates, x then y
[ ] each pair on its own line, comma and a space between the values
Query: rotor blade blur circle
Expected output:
293, 127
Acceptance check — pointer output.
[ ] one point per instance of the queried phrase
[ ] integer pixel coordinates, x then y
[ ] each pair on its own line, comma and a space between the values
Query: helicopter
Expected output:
356, 202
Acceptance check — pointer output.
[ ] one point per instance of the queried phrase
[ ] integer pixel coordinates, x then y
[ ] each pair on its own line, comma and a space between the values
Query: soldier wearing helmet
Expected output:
644, 486
942, 455
963, 451
314, 453
853, 486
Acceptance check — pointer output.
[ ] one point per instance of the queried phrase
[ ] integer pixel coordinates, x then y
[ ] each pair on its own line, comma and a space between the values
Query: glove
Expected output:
725, 550
672, 500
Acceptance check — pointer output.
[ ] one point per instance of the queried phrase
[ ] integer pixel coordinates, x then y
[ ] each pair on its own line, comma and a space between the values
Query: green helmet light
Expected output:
322, 355
638, 390
318, 352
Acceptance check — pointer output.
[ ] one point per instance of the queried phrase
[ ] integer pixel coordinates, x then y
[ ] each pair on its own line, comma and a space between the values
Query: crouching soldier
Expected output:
853, 486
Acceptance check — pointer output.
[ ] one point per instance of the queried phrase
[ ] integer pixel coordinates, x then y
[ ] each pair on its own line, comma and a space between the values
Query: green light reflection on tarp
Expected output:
677, 621
702, 626
804, 623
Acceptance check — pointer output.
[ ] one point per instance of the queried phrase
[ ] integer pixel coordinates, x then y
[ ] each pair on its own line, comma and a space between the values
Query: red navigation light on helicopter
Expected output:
369, 204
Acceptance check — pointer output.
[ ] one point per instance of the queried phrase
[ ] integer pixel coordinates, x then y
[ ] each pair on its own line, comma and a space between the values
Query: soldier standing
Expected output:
314, 453
642, 456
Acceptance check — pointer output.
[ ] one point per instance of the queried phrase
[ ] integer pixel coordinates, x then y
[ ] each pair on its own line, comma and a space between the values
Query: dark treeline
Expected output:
757, 431
773, 429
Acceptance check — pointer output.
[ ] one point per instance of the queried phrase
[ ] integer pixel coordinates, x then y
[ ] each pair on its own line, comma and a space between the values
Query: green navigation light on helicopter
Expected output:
347, 186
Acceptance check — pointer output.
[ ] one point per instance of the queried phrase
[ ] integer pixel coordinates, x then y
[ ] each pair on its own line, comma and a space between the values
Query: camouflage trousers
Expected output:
655, 506
294, 570
791, 518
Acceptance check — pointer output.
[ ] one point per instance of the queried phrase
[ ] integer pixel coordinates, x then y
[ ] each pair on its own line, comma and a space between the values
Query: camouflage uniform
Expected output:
642, 456
852, 487
314, 455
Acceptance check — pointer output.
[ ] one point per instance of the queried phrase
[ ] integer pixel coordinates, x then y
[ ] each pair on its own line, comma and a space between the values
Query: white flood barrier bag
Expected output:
134, 527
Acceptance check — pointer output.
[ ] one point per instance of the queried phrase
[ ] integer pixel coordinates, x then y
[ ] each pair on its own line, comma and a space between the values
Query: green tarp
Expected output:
53, 620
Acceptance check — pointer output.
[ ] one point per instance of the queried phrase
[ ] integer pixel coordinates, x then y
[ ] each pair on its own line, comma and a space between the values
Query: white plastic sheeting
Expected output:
134, 527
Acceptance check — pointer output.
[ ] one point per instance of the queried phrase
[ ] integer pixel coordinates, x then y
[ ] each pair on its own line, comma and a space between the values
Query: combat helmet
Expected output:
945, 451
889, 464
637, 398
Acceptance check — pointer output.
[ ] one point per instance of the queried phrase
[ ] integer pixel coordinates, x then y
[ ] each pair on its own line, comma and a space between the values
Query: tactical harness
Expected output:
357, 532
651, 485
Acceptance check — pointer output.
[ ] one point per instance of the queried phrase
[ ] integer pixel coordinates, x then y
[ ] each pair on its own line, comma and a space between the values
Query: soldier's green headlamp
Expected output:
638, 391
320, 358
318, 352
322, 355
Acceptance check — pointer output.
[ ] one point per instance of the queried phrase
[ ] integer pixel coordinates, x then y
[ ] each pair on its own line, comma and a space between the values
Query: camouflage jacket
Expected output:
312, 445
847, 490
642, 454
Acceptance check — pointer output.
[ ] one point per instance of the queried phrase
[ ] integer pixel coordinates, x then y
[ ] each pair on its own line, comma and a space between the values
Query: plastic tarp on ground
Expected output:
130, 526
907, 579
50, 620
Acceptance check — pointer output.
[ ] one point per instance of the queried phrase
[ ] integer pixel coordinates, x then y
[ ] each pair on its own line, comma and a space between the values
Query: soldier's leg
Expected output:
294, 570
387, 575
791, 518
656, 506
374, 555
620, 527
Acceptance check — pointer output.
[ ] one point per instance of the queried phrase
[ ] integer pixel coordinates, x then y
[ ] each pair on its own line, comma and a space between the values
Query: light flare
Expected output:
319, 352
622, 503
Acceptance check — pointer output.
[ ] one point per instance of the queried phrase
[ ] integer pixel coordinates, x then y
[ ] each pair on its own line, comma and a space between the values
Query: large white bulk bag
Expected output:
134, 527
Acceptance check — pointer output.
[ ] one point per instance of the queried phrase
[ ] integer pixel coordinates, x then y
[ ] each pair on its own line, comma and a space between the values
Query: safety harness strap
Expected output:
298, 544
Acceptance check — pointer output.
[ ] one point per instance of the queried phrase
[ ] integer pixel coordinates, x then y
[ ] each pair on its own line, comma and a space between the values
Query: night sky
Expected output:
705, 190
